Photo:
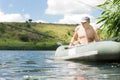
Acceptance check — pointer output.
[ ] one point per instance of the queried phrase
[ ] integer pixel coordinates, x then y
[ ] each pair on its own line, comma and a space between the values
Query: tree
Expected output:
110, 18
30, 20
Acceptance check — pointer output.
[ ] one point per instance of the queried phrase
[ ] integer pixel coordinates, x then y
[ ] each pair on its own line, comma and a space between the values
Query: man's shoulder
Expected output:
94, 27
77, 27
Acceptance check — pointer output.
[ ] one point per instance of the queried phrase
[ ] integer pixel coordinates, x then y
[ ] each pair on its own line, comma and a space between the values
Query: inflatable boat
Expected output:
95, 51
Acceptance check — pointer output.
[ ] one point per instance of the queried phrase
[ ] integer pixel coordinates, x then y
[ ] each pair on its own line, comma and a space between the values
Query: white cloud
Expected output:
75, 18
72, 10
71, 6
13, 17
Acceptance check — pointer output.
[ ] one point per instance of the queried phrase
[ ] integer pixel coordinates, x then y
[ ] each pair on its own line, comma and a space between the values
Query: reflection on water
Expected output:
38, 65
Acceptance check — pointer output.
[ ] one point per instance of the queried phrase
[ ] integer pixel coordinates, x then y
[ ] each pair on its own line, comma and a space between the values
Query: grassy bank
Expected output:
34, 36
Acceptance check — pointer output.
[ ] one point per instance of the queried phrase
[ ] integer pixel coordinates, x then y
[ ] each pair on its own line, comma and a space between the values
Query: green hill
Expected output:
34, 36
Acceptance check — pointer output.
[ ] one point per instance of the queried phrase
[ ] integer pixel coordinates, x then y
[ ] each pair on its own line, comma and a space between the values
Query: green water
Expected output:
39, 65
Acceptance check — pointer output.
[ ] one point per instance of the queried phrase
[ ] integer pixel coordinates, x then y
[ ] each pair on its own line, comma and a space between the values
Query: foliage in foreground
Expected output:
110, 18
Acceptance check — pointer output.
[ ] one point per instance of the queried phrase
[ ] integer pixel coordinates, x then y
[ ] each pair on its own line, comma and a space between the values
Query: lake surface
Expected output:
39, 65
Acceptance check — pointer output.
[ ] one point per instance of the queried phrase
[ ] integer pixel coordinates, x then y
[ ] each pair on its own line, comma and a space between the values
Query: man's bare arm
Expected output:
74, 38
96, 35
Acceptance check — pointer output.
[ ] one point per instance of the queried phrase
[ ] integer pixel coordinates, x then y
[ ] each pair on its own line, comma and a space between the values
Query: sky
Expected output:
49, 11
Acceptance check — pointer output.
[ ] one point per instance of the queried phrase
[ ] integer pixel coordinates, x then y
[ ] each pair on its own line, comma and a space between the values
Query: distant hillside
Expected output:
34, 36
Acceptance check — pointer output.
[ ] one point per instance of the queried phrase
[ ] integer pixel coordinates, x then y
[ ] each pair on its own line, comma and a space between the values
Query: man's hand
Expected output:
68, 47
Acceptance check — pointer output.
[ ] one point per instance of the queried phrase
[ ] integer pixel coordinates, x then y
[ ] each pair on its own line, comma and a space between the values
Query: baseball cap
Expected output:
85, 19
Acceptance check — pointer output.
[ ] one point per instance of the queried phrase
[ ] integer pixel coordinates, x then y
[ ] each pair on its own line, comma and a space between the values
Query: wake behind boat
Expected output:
96, 51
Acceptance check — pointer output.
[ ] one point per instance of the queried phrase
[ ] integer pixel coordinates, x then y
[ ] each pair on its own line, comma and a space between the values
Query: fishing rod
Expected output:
89, 5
